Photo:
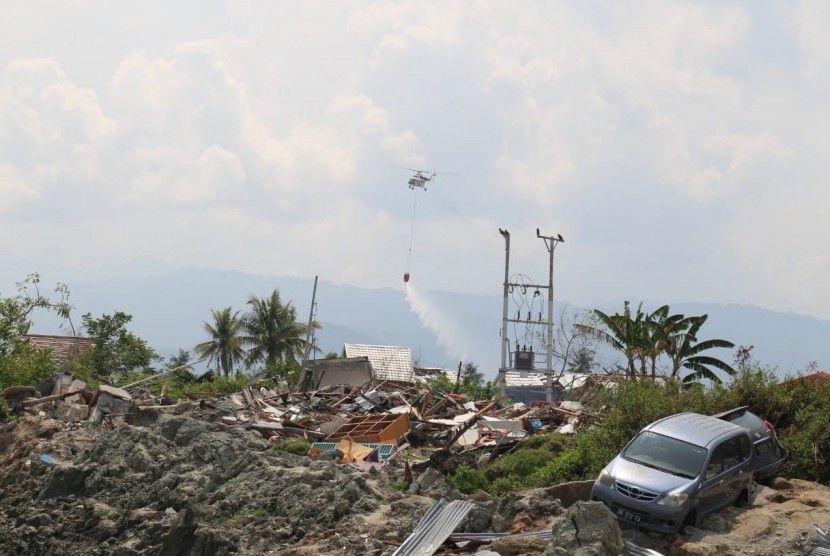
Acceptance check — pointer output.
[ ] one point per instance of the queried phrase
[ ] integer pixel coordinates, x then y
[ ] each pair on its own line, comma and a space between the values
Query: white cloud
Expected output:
174, 176
51, 130
395, 26
811, 18
13, 187
658, 138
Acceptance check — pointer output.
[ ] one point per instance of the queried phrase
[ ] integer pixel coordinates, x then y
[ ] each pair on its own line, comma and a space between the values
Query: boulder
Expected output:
586, 529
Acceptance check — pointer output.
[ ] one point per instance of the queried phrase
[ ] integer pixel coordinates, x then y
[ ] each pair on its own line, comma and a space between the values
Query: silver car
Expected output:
676, 471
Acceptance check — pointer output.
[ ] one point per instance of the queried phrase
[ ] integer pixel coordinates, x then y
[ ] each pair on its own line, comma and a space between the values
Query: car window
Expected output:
666, 453
747, 420
728, 454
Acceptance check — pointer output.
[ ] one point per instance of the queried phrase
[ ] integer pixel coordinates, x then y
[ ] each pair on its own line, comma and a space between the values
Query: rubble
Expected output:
118, 471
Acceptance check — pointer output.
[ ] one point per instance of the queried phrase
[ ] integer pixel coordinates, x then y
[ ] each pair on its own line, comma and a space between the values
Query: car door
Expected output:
727, 472
737, 467
711, 493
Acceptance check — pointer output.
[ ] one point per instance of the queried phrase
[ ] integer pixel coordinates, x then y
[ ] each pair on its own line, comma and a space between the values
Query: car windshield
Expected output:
666, 453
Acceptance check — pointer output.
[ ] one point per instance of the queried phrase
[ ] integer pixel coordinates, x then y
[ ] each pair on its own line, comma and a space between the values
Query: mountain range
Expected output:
169, 310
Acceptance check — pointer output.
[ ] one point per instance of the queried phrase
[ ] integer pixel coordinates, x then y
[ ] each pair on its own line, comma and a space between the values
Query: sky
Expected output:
680, 148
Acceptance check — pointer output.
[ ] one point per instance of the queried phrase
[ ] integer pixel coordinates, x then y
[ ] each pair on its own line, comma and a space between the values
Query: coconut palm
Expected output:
582, 361
225, 346
273, 333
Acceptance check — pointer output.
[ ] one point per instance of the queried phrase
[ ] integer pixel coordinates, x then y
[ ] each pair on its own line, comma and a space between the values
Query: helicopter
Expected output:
421, 178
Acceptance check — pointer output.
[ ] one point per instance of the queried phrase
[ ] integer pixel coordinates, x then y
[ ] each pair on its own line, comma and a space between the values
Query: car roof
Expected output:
694, 428
734, 411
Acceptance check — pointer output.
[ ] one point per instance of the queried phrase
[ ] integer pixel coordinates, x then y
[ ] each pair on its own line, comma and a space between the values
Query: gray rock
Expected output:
586, 529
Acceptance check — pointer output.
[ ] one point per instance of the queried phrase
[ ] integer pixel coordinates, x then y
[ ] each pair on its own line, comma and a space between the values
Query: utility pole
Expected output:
550, 243
309, 332
505, 341
524, 360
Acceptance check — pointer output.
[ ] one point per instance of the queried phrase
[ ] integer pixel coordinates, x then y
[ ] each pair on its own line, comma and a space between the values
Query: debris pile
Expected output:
119, 471
371, 422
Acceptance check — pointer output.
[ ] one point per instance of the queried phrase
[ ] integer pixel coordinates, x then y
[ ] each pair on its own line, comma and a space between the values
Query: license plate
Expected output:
629, 515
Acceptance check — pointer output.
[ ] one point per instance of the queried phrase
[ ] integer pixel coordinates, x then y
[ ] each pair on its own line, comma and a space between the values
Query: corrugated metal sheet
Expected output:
632, 549
524, 378
434, 528
484, 537
385, 451
369, 400
388, 362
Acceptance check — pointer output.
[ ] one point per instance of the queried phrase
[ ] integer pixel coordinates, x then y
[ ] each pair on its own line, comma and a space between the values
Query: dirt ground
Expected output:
779, 521
188, 485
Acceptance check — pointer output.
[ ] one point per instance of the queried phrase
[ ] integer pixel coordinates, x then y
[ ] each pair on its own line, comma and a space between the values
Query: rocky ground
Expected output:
187, 485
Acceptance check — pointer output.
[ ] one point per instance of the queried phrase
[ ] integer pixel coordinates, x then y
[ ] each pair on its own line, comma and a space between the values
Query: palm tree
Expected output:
683, 349
622, 332
181, 359
582, 361
273, 333
226, 340
662, 328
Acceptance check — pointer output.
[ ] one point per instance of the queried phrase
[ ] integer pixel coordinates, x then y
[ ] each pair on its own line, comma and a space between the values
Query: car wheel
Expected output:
766, 481
690, 521
742, 501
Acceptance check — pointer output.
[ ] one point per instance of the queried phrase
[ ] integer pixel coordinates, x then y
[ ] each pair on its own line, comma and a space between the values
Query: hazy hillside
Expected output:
168, 310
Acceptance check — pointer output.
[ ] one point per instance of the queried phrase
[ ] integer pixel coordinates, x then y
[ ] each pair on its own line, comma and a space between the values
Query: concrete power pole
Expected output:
309, 337
524, 359
505, 341
550, 242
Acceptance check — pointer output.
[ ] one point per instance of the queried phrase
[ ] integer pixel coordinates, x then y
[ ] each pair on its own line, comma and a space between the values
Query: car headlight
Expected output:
605, 478
674, 499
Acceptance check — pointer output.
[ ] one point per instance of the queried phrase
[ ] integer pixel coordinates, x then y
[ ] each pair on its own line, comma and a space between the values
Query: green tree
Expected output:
471, 377
27, 366
116, 348
644, 337
16, 312
582, 361
661, 328
684, 352
225, 346
180, 359
624, 332
272, 332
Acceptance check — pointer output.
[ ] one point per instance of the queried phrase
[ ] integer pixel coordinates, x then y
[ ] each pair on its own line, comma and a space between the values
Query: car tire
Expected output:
766, 481
742, 501
689, 521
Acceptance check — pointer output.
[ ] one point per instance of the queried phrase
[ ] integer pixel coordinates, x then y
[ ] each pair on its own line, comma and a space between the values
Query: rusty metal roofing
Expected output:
434, 528
388, 362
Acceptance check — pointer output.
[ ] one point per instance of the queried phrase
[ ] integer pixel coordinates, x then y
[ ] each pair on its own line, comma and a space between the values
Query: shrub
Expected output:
469, 480
505, 485
570, 465
26, 367
296, 446
524, 462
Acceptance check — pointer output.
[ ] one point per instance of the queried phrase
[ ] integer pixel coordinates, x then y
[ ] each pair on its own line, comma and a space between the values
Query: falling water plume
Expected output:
448, 331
